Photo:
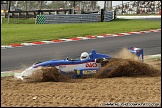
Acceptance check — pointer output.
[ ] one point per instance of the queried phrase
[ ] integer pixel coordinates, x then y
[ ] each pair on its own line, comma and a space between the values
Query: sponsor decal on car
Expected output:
91, 64
85, 72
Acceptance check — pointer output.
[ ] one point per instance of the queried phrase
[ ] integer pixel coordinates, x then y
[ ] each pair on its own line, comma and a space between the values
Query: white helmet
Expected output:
84, 56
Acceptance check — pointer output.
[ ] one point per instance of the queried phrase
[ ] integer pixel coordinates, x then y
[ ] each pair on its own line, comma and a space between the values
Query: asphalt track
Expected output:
21, 57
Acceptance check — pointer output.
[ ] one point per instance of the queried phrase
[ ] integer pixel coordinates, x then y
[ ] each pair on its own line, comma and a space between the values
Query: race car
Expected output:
89, 63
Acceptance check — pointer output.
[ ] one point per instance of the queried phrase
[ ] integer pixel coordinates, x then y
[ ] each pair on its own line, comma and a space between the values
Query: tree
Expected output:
104, 5
57, 4
20, 5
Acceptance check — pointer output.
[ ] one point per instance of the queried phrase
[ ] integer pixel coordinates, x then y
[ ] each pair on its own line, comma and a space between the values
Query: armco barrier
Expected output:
73, 18
108, 16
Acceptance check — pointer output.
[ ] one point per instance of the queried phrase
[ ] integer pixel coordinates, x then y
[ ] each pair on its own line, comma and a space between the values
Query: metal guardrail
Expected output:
73, 18
108, 16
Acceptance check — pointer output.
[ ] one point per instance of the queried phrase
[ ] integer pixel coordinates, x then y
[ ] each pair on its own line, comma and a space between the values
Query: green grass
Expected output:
18, 21
21, 33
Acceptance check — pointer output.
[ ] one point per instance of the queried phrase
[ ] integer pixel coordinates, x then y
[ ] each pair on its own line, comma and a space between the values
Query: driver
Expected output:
84, 56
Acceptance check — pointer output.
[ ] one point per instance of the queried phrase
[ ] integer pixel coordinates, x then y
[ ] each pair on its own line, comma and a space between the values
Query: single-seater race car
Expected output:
89, 63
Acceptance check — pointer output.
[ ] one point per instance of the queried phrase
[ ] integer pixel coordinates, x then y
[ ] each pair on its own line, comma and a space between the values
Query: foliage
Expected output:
35, 5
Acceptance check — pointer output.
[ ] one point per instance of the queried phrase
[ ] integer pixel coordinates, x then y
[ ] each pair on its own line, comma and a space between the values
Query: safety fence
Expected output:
34, 13
73, 18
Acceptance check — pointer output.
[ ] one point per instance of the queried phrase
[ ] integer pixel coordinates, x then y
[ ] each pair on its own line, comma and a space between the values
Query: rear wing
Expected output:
138, 52
94, 55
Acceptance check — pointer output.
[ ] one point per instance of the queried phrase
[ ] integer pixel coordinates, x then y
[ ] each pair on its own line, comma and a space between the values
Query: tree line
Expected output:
50, 5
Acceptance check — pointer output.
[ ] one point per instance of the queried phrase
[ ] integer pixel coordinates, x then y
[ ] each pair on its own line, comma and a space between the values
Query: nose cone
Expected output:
28, 71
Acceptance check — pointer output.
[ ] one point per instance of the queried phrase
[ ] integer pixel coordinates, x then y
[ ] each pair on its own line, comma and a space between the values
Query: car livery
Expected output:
76, 66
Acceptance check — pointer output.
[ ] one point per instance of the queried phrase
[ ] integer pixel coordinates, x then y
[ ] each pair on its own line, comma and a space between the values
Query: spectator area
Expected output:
139, 7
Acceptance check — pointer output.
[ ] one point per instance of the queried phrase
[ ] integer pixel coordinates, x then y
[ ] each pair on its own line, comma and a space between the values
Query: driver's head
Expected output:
84, 56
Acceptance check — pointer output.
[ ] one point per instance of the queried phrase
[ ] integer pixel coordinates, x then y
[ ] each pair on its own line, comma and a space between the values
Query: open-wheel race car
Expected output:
87, 64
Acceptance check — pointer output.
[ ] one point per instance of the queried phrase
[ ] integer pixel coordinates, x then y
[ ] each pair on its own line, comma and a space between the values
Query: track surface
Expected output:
21, 57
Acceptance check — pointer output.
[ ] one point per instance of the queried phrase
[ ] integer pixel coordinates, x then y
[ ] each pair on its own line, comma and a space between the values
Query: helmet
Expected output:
84, 56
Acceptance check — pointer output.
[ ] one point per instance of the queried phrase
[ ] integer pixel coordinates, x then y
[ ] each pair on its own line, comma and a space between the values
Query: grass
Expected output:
16, 32
18, 21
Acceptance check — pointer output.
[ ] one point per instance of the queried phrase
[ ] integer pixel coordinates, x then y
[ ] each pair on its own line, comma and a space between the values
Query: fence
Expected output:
33, 14
73, 18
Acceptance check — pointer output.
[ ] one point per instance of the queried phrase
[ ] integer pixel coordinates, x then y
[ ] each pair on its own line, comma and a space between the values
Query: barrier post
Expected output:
102, 15
114, 14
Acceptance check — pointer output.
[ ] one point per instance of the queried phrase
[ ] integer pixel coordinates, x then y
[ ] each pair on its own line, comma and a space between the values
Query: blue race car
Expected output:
89, 63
